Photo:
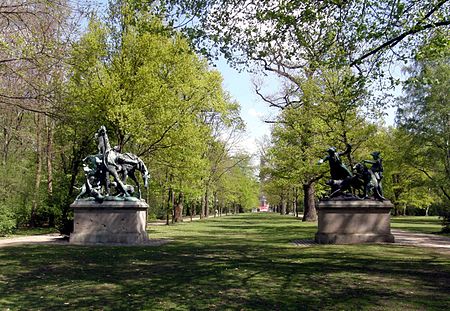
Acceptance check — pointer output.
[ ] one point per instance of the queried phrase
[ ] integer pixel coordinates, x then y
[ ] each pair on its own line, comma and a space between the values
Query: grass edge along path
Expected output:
420, 224
243, 262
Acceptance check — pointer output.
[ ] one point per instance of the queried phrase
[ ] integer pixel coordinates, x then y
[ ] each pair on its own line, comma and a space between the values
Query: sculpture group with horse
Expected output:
362, 182
109, 162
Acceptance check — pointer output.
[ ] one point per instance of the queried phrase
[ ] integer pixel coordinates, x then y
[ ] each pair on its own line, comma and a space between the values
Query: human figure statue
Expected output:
94, 174
377, 170
340, 175
127, 164
109, 161
338, 170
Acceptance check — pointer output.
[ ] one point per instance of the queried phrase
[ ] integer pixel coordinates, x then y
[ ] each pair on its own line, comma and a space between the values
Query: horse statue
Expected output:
362, 180
110, 162
129, 164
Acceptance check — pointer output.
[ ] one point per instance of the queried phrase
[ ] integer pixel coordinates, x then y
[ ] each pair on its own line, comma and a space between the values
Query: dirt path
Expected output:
440, 243
54, 238
422, 240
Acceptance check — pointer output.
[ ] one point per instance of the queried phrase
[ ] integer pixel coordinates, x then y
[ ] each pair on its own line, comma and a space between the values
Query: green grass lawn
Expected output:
244, 262
29, 231
423, 224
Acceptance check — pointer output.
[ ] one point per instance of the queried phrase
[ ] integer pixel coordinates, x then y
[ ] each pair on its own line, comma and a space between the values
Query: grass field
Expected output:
423, 224
244, 262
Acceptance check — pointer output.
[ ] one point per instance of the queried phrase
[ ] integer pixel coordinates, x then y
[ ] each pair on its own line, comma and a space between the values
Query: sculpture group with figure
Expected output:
355, 210
360, 183
111, 163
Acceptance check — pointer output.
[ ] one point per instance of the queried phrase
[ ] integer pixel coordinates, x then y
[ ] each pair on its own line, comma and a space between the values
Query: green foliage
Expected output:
325, 114
7, 219
308, 34
130, 71
423, 116
159, 100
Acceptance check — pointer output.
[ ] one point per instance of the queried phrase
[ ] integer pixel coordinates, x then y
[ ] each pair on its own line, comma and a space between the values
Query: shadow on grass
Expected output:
241, 262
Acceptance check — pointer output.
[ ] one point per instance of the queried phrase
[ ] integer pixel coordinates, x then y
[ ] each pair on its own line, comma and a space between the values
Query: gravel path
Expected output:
54, 238
402, 237
422, 240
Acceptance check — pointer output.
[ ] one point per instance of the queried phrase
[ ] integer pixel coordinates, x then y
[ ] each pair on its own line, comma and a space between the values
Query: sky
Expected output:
254, 111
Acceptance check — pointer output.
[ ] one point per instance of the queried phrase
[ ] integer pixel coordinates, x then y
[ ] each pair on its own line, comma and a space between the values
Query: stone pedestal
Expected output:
354, 221
110, 222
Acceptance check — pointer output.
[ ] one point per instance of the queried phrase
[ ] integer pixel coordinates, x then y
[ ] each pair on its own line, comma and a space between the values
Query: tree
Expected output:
162, 102
424, 114
34, 42
322, 111
300, 35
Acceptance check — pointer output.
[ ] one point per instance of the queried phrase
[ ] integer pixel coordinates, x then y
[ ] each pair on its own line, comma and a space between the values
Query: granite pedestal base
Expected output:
354, 221
110, 222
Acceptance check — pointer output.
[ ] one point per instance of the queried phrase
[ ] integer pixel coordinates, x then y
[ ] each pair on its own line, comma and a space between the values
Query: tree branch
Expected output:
394, 41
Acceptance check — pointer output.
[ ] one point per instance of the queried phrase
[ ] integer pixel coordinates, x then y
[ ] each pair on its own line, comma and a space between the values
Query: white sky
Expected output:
253, 110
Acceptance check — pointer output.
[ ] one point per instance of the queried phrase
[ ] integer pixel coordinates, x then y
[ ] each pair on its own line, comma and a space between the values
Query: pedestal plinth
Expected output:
110, 222
354, 221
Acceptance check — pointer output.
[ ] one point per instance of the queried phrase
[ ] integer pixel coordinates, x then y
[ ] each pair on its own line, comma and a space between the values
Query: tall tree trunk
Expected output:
310, 213
283, 204
193, 208
202, 211
295, 201
37, 180
6, 141
216, 210
49, 153
169, 204
207, 202
179, 208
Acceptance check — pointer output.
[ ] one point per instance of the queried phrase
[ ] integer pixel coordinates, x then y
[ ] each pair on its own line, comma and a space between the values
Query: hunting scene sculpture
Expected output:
359, 183
109, 169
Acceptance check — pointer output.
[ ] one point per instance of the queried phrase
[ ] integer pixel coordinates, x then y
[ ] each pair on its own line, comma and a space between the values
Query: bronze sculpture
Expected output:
110, 162
359, 184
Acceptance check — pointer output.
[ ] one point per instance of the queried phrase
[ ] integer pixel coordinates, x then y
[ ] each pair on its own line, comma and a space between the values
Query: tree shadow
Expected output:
240, 262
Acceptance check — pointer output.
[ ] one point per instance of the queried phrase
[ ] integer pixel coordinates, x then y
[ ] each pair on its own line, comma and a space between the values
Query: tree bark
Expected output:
310, 213
202, 212
169, 204
295, 201
207, 203
216, 211
283, 205
193, 208
49, 154
179, 208
37, 180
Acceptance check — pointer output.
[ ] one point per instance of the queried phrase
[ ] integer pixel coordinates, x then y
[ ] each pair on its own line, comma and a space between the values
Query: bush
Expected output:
445, 221
7, 220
